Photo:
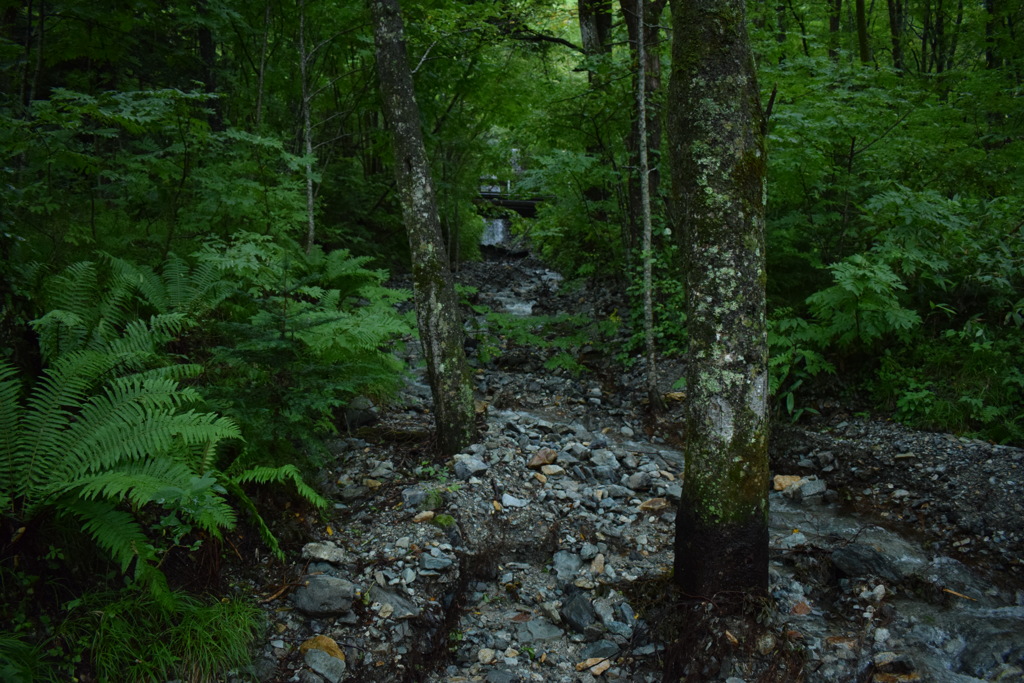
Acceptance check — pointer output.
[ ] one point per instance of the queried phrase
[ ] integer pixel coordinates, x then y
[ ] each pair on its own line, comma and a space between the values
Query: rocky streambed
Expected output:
543, 552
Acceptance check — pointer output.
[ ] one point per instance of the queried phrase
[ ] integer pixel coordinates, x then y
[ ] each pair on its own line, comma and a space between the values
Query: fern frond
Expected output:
49, 411
285, 473
167, 483
115, 531
134, 419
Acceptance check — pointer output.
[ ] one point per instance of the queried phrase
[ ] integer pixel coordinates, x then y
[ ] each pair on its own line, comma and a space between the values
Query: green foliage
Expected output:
668, 296
301, 335
863, 305
795, 358
131, 637
568, 232
90, 441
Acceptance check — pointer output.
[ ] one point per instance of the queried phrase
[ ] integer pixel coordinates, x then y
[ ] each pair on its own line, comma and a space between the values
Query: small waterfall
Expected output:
495, 232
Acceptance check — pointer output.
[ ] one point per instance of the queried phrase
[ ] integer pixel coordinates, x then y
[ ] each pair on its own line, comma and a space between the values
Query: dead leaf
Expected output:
781, 482
324, 644
733, 640
654, 505
596, 665
522, 617
801, 608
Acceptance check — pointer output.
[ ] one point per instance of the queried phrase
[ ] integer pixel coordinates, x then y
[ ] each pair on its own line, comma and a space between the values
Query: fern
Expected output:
84, 443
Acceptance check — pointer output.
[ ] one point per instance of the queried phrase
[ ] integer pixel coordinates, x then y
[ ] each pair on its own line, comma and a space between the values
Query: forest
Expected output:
201, 233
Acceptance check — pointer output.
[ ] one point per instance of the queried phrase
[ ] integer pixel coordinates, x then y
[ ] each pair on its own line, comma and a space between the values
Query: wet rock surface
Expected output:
542, 552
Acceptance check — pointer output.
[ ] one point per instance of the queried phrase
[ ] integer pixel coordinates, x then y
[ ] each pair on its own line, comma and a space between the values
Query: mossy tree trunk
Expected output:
437, 312
717, 154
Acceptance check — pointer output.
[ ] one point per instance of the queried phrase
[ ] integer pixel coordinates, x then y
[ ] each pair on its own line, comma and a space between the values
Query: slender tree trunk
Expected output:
653, 9
595, 35
835, 13
262, 71
896, 32
307, 129
437, 311
716, 136
863, 46
208, 53
653, 394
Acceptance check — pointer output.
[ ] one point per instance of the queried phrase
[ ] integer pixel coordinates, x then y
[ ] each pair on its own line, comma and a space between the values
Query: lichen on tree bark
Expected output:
718, 163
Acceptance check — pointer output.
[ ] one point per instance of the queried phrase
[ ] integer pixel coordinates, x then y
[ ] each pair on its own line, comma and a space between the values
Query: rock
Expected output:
510, 501
323, 552
578, 612
502, 676
467, 465
857, 559
435, 562
413, 496
552, 470
566, 564
324, 596
639, 481
486, 655
401, 607
539, 630
425, 516
331, 668
544, 456
600, 648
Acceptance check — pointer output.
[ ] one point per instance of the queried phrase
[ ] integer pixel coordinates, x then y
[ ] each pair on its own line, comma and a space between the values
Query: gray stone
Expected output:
566, 564
604, 458
413, 496
403, 607
323, 552
324, 596
578, 612
639, 481
502, 676
331, 668
510, 501
467, 465
600, 648
435, 563
539, 629
857, 559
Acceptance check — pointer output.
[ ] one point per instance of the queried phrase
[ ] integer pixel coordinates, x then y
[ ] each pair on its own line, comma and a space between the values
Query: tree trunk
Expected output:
716, 137
307, 128
653, 394
653, 9
862, 31
835, 13
437, 311
896, 32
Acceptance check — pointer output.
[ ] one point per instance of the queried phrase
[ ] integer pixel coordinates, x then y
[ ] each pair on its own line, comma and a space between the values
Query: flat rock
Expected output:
324, 596
323, 552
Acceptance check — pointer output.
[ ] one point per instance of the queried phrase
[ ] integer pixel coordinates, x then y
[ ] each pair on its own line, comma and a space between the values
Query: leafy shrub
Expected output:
300, 336
863, 305
795, 356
